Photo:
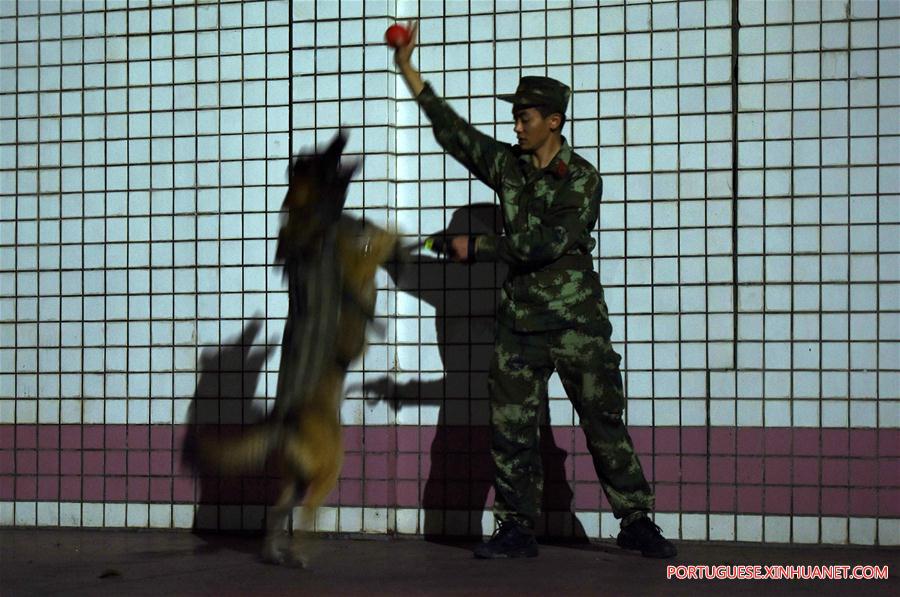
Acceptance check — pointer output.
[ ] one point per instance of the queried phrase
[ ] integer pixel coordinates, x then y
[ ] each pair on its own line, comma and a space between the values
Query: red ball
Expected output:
396, 36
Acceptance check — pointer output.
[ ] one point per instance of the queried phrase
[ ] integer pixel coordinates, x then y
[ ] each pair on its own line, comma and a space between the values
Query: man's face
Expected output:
533, 130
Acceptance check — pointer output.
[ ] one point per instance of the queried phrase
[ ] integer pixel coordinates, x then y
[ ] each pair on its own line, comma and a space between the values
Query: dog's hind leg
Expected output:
332, 453
321, 455
317, 490
277, 546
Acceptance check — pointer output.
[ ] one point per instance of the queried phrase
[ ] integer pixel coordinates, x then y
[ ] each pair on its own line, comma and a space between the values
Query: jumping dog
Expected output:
330, 260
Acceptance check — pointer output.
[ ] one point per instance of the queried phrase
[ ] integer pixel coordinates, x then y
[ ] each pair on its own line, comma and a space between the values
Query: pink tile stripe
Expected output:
747, 470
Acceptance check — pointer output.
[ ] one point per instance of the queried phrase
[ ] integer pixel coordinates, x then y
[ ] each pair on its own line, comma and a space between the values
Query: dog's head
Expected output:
319, 181
316, 194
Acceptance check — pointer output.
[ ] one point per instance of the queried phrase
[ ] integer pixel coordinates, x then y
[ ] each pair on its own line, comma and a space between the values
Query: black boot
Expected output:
511, 540
644, 535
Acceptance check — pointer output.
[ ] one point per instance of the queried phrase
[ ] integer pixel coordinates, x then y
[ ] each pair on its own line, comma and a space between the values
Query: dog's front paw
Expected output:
272, 555
293, 558
273, 550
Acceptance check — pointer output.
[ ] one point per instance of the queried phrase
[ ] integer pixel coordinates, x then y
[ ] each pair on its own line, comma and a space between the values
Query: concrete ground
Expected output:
123, 563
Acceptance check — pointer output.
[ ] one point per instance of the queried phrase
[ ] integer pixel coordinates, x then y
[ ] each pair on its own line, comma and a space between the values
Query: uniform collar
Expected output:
559, 165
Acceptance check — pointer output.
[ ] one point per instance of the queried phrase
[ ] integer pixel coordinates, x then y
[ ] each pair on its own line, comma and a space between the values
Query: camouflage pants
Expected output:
589, 369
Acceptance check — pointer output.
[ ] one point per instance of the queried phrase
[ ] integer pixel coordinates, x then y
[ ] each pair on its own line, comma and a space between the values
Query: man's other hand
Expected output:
459, 249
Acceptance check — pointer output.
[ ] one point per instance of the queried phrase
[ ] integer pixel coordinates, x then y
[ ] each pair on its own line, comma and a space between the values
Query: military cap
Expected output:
540, 91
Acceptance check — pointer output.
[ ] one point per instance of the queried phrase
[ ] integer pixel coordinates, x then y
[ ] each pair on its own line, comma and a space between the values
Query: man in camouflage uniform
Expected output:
552, 314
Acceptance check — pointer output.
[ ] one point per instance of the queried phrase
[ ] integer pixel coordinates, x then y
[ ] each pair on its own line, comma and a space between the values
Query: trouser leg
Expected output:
589, 370
518, 383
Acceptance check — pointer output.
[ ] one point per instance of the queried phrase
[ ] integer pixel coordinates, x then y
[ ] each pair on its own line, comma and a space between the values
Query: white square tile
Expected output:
92, 515
862, 531
666, 412
777, 413
350, 520
48, 411
137, 515
160, 516
639, 412
863, 384
6, 513
47, 514
69, 514
408, 521
722, 412
693, 412
693, 384
638, 384
749, 412
777, 529
25, 513
835, 384
835, 413
889, 532
161, 411
113, 515
375, 520
429, 414
352, 412
26, 410
664, 15
835, 530
694, 355
693, 527
889, 411
721, 527
863, 413
116, 411
749, 528
183, 516
805, 529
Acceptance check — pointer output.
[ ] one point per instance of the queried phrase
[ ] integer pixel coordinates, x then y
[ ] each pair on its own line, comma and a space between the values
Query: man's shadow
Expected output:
230, 372
460, 471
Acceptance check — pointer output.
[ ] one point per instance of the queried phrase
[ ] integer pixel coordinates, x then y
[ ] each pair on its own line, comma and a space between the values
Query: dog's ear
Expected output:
332, 156
348, 169
332, 163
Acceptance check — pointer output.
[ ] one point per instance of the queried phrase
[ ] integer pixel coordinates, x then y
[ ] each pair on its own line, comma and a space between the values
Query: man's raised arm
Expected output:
482, 155
402, 58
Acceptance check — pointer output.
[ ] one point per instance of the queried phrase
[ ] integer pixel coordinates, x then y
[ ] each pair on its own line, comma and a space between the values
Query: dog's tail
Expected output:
238, 453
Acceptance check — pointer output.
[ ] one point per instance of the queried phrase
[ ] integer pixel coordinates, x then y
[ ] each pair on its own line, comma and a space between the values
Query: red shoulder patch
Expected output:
561, 169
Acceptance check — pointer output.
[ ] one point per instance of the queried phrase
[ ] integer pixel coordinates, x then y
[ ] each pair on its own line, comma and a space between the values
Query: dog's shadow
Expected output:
460, 470
228, 375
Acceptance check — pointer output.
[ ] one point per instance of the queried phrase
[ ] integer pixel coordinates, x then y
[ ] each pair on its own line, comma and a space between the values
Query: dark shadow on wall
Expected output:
230, 372
460, 473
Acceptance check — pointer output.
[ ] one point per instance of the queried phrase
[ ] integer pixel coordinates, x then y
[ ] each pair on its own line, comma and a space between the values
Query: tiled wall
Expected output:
748, 246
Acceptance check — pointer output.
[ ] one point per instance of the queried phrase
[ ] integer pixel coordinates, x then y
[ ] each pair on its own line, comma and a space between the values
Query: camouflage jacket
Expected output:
548, 215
